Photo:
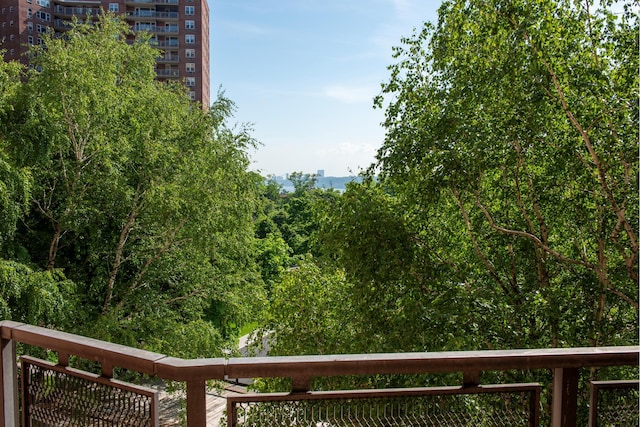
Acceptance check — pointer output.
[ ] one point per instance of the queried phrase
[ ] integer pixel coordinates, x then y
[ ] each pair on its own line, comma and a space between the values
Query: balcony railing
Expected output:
69, 11
167, 29
61, 24
168, 73
95, 3
165, 43
148, 2
478, 404
145, 14
171, 59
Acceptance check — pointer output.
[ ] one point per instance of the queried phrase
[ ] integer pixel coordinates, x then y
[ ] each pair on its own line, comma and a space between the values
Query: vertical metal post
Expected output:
565, 397
9, 410
196, 403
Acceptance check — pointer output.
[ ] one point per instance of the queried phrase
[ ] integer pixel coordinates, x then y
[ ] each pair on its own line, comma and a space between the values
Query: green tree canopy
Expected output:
524, 115
139, 197
505, 213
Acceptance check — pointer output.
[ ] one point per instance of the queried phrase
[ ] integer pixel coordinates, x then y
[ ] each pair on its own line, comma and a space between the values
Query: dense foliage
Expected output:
127, 211
504, 213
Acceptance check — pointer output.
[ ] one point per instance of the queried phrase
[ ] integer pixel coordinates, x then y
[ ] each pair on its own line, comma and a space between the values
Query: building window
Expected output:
192, 95
114, 7
11, 8
29, 1
43, 3
30, 27
190, 53
11, 52
191, 67
11, 36
29, 13
4, 25
11, 23
39, 40
44, 16
190, 25
190, 38
190, 81
30, 39
189, 10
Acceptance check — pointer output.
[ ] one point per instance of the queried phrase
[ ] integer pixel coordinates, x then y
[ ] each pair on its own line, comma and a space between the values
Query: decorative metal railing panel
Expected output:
61, 396
485, 406
615, 404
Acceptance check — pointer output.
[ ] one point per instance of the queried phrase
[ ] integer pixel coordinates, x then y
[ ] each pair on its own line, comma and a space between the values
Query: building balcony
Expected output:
61, 24
150, 2
168, 59
52, 390
157, 29
94, 3
165, 43
69, 11
152, 14
168, 73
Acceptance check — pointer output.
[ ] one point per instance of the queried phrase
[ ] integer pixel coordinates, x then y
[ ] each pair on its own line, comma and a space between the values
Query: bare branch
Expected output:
531, 237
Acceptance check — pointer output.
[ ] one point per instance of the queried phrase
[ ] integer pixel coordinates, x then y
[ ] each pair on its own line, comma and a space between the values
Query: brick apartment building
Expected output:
180, 28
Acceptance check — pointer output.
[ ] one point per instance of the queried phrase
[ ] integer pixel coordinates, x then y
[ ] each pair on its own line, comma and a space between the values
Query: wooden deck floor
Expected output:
172, 405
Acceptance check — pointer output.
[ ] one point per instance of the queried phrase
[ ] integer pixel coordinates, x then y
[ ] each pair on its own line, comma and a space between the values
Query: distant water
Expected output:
325, 182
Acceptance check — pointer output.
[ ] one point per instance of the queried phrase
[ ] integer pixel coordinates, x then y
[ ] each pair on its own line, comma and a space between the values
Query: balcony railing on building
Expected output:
168, 73
169, 59
164, 43
61, 24
70, 11
149, 2
156, 29
94, 3
152, 14
53, 393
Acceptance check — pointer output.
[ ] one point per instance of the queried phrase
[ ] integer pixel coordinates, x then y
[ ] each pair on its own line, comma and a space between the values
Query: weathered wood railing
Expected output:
564, 363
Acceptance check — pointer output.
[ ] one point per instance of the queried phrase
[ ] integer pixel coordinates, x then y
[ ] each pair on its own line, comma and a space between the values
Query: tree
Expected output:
523, 115
142, 199
15, 183
42, 298
408, 293
310, 312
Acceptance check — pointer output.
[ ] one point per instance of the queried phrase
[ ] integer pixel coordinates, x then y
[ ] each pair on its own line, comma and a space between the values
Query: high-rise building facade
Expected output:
180, 28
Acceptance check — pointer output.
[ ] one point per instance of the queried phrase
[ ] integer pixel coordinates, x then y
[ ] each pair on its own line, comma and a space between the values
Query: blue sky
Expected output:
304, 74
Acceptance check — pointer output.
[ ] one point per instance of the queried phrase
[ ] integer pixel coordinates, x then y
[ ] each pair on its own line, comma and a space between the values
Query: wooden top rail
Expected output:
449, 361
86, 348
315, 366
